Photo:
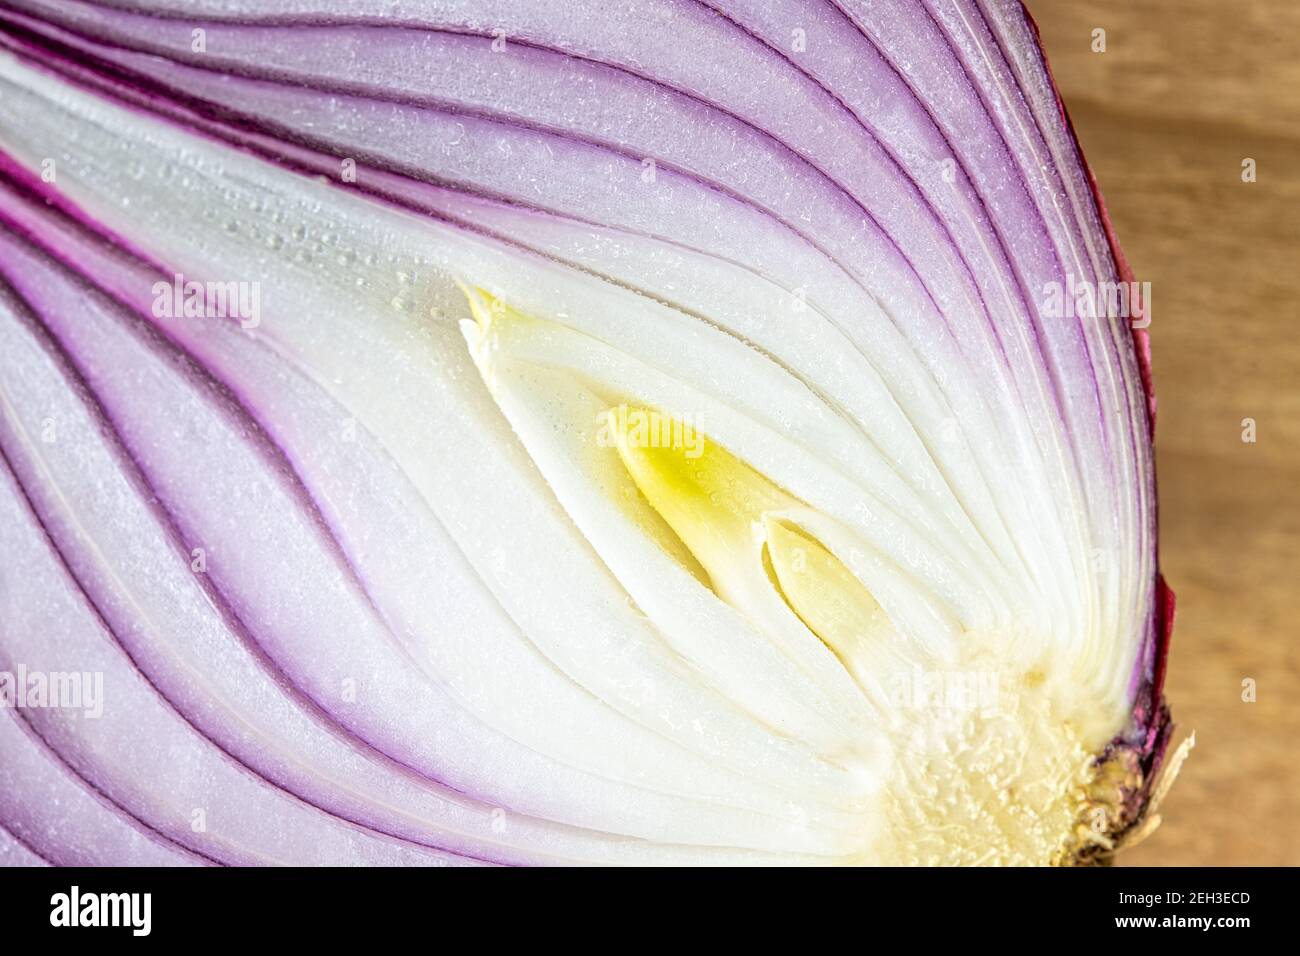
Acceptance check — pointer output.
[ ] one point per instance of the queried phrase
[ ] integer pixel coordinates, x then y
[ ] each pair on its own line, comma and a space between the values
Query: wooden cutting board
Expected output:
1185, 91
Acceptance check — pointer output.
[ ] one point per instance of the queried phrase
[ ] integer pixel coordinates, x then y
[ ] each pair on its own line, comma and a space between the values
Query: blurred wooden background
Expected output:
1186, 90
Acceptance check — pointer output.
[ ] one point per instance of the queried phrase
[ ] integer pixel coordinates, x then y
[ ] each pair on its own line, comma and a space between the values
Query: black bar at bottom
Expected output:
863, 907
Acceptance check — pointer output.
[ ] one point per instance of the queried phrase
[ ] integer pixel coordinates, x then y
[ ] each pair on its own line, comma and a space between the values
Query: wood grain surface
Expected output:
1184, 92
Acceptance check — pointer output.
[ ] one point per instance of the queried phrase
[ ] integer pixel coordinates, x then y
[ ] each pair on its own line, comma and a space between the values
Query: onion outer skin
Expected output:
1146, 742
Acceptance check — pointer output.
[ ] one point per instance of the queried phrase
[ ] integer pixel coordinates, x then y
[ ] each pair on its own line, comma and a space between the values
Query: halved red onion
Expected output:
566, 432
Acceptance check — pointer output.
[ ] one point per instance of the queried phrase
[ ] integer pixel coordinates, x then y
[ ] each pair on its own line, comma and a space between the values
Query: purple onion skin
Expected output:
1146, 740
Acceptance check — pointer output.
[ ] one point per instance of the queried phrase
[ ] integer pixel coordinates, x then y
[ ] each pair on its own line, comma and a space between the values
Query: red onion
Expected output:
566, 432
